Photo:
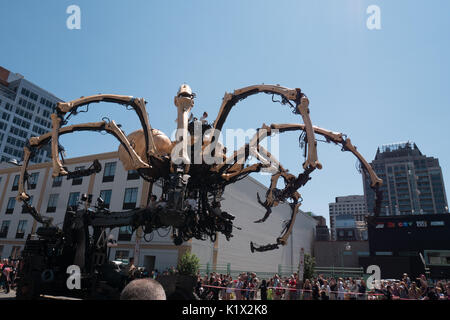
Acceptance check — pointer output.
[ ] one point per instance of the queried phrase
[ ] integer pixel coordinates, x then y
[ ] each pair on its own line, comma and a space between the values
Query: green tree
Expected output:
189, 264
310, 264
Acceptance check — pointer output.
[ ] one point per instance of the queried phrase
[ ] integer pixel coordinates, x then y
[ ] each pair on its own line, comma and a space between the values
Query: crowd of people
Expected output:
8, 271
247, 286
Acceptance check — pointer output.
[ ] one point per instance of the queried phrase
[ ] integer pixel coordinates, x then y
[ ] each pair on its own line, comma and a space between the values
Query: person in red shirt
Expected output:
2, 277
6, 270
278, 292
292, 288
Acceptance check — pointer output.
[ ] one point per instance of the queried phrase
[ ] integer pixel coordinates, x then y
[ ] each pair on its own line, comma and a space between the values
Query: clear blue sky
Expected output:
378, 87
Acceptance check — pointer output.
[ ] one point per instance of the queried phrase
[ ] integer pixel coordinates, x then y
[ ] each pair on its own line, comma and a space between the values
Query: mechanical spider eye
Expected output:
185, 94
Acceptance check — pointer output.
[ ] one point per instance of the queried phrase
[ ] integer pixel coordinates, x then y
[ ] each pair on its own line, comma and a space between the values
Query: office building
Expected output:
412, 182
25, 110
322, 231
347, 218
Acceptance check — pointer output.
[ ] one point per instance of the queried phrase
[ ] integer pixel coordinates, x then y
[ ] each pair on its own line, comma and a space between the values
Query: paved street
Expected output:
10, 296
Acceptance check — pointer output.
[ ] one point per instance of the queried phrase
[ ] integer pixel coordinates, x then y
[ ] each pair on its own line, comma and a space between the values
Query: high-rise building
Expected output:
322, 231
25, 111
412, 182
347, 218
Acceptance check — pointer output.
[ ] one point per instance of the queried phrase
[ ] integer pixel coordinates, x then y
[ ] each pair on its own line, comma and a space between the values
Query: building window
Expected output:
15, 252
15, 185
4, 229
130, 199
77, 181
57, 181
11, 205
21, 229
6, 116
132, 175
110, 170
106, 196
73, 200
32, 180
125, 233
122, 255
24, 208
52, 203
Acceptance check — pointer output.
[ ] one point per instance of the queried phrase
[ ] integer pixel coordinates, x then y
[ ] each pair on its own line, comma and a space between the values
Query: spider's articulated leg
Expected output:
285, 233
22, 195
337, 138
110, 127
234, 166
295, 95
236, 162
37, 142
232, 177
273, 194
293, 184
71, 108
58, 169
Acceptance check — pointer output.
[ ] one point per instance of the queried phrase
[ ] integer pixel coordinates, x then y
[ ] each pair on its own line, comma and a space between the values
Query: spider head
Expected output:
185, 97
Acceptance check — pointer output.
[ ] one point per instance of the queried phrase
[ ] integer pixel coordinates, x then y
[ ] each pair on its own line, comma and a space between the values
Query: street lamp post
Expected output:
347, 247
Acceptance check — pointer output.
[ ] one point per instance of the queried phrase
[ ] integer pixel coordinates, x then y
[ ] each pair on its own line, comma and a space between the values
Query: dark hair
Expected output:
143, 289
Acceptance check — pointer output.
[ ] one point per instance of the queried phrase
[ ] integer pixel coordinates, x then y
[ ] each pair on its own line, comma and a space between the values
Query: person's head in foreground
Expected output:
143, 289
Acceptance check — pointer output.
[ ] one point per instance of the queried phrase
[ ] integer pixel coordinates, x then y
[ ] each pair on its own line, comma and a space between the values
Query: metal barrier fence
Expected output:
283, 271
342, 272
226, 269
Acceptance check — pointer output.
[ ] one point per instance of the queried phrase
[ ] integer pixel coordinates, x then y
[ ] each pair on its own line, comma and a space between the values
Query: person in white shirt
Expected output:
203, 118
341, 290
325, 290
